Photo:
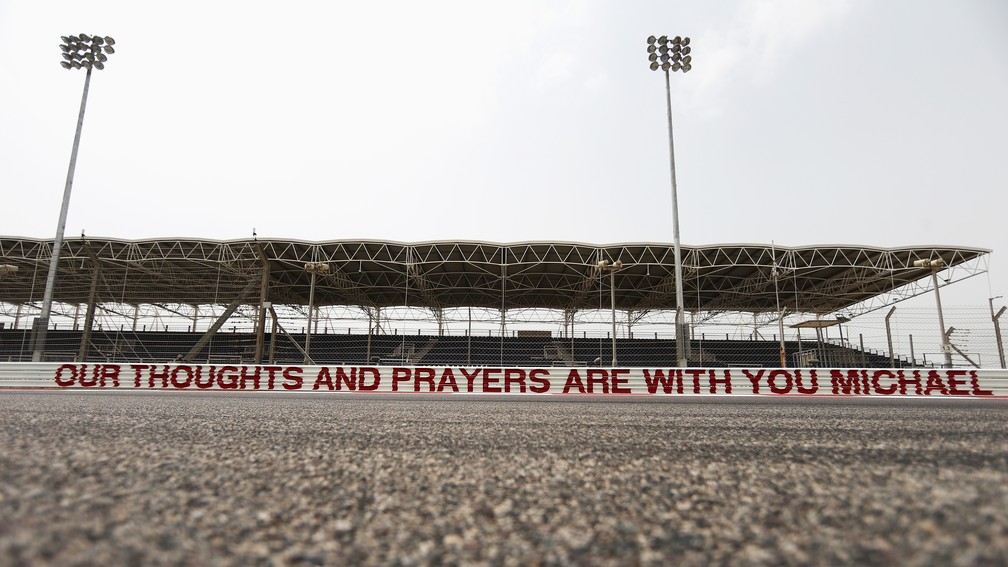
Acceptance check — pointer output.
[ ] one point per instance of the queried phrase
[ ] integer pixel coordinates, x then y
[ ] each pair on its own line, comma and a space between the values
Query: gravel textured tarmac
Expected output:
290, 479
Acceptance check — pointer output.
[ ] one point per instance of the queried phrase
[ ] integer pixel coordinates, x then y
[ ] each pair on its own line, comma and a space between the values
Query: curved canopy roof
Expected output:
446, 274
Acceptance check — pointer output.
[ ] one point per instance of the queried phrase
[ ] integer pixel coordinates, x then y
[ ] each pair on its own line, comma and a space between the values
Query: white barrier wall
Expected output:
928, 383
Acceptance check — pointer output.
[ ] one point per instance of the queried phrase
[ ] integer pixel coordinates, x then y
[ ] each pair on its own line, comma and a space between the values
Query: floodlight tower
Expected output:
671, 55
79, 51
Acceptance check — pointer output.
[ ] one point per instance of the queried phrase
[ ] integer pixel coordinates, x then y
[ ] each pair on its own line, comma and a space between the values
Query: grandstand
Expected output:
456, 303
432, 350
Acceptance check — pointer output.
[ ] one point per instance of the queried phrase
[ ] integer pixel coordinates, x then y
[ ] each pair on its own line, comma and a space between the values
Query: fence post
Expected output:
913, 358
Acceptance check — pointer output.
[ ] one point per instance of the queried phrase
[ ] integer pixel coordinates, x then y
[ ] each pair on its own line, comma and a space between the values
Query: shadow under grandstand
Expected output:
426, 350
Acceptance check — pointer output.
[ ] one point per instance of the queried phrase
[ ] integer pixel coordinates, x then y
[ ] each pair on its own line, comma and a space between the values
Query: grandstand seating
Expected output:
535, 351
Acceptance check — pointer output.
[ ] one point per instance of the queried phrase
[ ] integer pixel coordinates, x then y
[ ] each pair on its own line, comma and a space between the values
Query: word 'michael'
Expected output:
452, 380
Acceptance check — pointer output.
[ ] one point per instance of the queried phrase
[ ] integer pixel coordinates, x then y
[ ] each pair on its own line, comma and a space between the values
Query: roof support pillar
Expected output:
273, 335
569, 314
263, 305
96, 266
370, 328
89, 318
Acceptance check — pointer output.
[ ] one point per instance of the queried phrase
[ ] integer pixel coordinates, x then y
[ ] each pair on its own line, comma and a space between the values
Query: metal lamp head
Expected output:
85, 51
673, 53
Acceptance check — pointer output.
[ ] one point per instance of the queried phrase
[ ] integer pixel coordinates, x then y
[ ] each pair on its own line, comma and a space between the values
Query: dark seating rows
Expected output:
229, 347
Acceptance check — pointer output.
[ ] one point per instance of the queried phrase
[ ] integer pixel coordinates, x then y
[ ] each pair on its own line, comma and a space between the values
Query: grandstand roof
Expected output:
445, 274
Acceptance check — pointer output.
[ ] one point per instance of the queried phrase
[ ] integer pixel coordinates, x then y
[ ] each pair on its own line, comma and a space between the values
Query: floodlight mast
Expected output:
78, 51
673, 55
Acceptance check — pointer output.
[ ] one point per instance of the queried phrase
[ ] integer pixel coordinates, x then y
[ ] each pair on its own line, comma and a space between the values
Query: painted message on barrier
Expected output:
534, 381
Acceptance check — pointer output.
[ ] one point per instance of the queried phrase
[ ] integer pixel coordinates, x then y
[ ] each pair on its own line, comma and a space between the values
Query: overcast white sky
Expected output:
834, 121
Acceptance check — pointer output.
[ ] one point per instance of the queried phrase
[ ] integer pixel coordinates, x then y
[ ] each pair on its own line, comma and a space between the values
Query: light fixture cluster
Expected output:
669, 54
86, 51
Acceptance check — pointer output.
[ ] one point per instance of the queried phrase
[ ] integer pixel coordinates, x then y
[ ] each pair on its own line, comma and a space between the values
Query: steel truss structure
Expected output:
196, 278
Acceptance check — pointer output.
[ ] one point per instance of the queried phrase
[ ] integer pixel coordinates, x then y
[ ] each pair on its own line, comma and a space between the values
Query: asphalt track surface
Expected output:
290, 479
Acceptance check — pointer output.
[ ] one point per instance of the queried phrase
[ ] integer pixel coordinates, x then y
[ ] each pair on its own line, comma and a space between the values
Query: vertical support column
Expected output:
263, 305
313, 268
573, 356
800, 358
82, 353
370, 325
946, 347
780, 326
273, 335
822, 351
861, 339
308, 328
612, 305
888, 332
503, 327
997, 330
913, 357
